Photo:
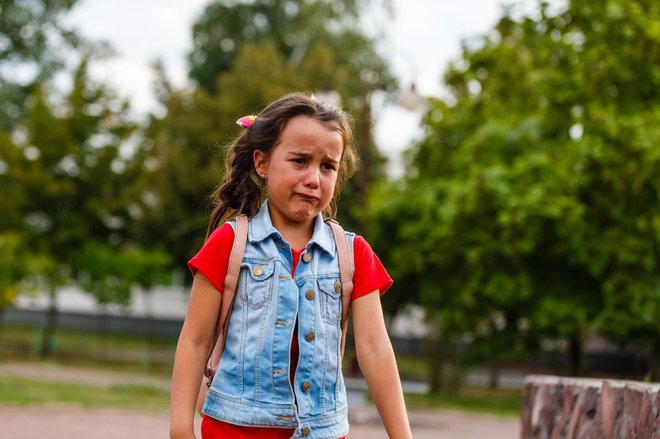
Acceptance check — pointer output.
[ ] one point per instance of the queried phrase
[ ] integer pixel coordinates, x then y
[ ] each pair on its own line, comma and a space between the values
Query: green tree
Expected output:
110, 274
535, 192
33, 40
71, 180
293, 27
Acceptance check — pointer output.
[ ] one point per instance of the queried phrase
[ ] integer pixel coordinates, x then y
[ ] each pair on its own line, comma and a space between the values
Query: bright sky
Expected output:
420, 40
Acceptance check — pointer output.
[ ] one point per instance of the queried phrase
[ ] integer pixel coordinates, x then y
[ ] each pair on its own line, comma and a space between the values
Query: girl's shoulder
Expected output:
223, 234
361, 247
213, 257
218, 245
370, 274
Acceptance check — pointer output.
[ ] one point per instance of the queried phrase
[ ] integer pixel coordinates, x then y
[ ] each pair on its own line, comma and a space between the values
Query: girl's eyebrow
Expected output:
307, 155
299, 153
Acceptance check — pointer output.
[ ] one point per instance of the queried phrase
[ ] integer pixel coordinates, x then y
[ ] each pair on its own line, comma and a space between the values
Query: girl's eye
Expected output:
299, 161
328, 167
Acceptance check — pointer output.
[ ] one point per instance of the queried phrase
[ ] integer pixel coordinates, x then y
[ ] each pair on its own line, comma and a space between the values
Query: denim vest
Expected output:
251, 386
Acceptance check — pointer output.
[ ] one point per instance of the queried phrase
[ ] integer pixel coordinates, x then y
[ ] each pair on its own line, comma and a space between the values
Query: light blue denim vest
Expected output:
252, 386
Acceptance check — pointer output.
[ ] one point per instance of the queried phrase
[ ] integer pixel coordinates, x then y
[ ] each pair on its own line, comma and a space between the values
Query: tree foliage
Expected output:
294, 28
33, 42
533, 207
71, 179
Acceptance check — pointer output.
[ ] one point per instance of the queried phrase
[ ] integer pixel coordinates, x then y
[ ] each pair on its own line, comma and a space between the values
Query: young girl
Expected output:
280, 375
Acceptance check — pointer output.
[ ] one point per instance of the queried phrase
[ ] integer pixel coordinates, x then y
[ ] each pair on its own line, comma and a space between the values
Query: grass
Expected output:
413, 368
23, 392
92, 348
472, 399
67, 338
505, 402
124, 353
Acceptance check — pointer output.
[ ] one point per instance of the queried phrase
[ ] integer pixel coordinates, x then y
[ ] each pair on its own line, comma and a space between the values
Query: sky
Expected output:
420, 39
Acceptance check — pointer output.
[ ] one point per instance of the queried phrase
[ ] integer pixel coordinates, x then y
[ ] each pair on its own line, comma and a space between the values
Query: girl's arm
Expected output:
191, 353
376, 358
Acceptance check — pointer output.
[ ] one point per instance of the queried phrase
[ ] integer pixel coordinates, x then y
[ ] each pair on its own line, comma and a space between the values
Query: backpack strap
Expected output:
346, 271
231, 281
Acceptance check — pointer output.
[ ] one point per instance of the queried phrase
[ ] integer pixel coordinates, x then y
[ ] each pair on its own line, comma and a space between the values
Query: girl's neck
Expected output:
297, 238
296, 234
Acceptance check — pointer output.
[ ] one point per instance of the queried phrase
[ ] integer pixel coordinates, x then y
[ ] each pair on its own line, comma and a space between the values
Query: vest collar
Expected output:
261, 228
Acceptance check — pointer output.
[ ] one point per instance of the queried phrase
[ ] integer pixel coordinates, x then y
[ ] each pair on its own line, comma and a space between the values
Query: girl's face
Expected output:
300, 171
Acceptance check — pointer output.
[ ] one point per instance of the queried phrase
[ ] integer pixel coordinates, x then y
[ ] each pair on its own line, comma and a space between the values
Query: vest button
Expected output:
306, 386
310, 294
306, 431
307, 257
258, 271
337, 287
310, 336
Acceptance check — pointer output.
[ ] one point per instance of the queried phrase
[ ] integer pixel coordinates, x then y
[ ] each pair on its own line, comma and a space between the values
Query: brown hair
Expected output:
241, 190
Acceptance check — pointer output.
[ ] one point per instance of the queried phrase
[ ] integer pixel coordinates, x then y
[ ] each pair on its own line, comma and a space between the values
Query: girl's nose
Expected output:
312, 177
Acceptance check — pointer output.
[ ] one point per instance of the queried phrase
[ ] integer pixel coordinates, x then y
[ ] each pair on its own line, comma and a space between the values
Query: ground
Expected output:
71, 421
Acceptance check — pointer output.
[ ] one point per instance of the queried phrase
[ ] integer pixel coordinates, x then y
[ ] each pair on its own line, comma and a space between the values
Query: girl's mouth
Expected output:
308, 197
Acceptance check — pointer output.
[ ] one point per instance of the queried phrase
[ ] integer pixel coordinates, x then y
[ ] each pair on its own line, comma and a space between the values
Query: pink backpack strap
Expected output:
231, 281
346, 271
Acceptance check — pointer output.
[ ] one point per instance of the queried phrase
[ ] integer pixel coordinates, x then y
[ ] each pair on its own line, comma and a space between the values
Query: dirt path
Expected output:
60, 421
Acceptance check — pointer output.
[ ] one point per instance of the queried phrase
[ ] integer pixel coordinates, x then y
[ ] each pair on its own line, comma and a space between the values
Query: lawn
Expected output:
502, 402
102, 351
22, 391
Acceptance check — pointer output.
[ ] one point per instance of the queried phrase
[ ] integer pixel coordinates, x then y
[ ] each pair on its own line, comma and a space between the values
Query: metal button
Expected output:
310, 294
306, 431
337, 287
258, 270
306, 386
307, 257
310, 336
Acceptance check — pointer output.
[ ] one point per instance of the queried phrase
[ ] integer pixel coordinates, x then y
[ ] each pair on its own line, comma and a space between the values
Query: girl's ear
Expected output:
260, 160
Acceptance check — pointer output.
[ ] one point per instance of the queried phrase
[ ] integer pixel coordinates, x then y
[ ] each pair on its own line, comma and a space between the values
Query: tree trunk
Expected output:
653, 374
436, 366
148, 356
575, 354
494, 374
48, 335
2, 325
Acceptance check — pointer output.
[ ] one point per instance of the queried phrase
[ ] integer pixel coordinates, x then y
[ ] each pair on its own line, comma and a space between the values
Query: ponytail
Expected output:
238, 193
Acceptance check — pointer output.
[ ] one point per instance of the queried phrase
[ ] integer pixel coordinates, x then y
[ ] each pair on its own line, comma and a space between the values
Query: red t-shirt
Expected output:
212, 260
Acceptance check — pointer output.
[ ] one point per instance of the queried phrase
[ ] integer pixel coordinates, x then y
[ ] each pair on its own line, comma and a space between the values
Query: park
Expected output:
522, 229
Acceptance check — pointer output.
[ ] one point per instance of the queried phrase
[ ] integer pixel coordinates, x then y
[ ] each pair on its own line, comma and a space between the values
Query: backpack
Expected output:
346, 270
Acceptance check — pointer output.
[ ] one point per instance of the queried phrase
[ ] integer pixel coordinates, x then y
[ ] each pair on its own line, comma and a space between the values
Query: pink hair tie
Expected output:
246, 121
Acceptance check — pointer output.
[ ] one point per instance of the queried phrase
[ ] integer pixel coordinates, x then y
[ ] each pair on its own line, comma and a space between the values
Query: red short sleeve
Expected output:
213, 257
370, 275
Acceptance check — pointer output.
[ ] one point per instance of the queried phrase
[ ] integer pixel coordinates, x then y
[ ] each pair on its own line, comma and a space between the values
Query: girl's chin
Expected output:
304, 216
304, 213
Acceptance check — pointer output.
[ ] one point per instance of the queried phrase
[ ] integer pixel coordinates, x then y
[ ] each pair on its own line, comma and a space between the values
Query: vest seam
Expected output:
242, 352
257, 362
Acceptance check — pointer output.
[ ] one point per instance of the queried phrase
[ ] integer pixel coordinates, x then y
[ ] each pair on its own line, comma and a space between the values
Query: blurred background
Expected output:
509, 180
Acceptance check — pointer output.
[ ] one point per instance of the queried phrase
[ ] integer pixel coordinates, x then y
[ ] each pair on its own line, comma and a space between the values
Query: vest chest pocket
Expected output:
256, 281
330, 299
